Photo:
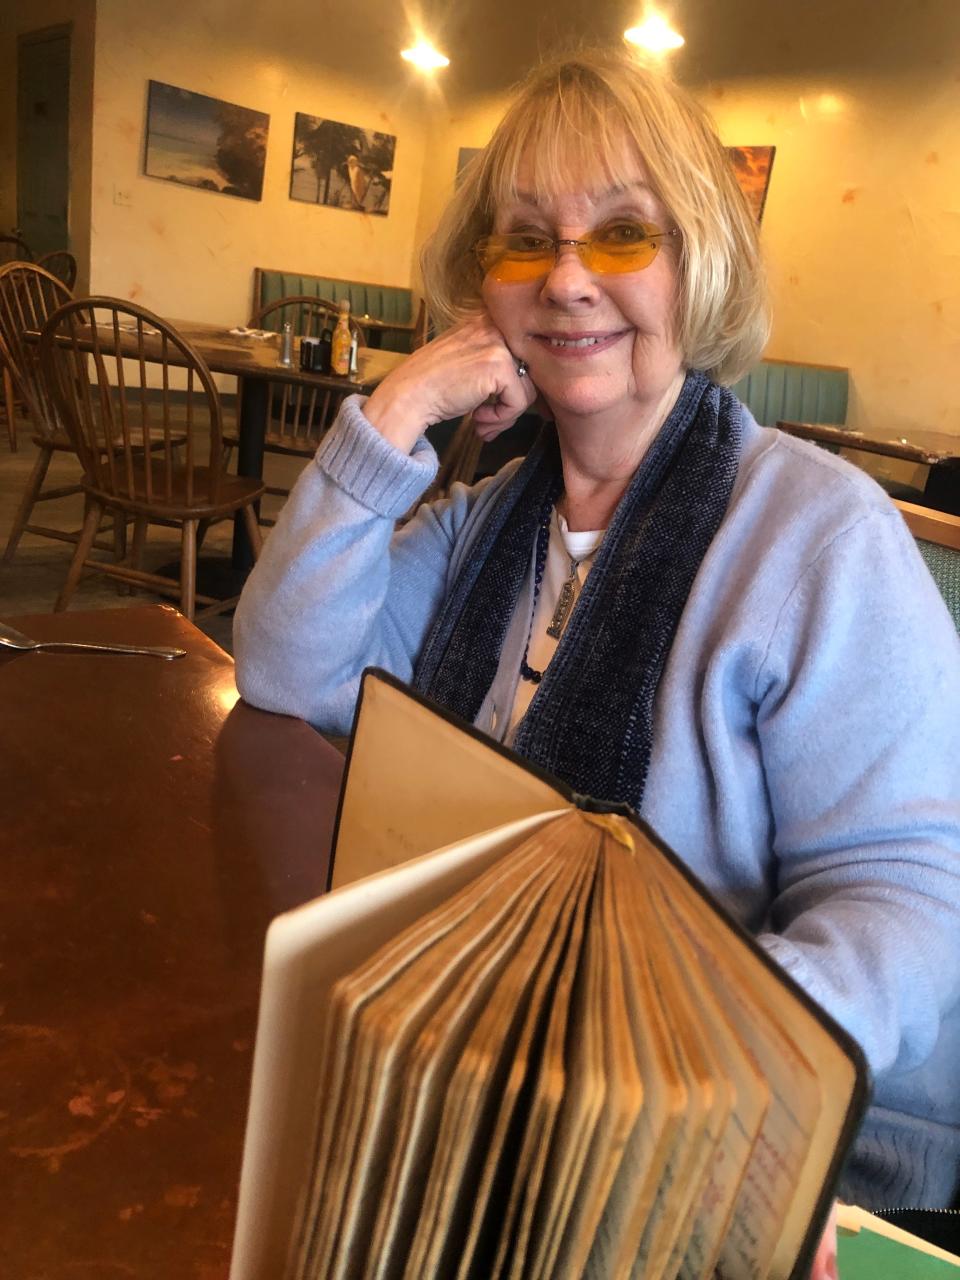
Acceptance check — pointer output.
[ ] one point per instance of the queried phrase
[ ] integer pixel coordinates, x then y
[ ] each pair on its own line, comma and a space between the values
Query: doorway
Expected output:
43, 139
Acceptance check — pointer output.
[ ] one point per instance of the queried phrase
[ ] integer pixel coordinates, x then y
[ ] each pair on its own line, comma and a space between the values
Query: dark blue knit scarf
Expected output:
591, 719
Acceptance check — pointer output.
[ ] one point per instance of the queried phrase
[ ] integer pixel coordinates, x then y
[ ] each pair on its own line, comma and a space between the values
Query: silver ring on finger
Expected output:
521, 368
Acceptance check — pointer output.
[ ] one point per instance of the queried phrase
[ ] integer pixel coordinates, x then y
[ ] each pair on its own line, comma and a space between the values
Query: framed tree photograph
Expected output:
205, 142
752, 166
340, 165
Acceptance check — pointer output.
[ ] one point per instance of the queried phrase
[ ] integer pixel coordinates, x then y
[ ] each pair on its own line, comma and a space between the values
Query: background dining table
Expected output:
254, 361
938, 450
151, 826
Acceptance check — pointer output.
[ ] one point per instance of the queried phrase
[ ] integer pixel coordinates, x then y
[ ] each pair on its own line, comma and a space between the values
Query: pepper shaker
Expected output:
286, 343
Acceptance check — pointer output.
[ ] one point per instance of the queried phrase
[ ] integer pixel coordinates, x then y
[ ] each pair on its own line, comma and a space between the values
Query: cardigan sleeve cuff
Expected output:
370, 469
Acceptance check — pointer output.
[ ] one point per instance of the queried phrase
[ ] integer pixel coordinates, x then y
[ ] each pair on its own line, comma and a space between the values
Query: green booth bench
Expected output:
388, 303
774, 390
790, 391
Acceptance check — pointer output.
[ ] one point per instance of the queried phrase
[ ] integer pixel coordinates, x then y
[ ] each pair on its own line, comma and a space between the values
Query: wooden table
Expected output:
377, 328
935, 449
150, 828
255, 362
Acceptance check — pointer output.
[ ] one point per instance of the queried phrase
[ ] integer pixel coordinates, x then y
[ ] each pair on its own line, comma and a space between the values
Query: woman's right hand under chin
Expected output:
467, 369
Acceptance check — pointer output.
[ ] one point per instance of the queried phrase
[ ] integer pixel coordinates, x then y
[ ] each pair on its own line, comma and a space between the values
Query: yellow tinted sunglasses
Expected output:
611, 250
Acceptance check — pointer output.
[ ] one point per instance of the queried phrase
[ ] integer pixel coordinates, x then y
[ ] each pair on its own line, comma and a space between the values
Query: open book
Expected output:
519, 1039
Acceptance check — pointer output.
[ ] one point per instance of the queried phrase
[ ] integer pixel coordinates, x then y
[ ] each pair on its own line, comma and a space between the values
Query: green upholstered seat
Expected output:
944, 565
382, 302
776, 390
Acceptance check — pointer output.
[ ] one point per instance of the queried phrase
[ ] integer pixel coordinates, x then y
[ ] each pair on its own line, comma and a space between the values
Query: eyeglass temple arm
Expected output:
654, 235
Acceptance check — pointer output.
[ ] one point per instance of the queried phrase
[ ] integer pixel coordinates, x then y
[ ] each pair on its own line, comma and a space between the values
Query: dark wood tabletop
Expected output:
385, 326
151, 826
932, 448
249, 357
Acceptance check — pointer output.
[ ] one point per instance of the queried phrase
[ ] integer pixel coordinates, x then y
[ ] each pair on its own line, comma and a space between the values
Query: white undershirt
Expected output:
564, 546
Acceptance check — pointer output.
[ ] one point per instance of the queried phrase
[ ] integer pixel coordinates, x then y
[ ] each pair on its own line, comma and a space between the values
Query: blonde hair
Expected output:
574, 116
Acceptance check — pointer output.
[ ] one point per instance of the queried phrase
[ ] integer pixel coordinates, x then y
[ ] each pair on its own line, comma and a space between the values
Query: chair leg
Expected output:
253, 531
91, 522
119, 536
188, 569
34, 485
139, 538
9, 405
135, 557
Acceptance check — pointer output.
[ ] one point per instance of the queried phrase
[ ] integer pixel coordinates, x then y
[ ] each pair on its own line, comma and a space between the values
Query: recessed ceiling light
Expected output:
655, 35
425, 57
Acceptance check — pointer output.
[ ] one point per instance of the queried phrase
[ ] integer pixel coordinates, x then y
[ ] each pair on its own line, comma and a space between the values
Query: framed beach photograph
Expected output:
205, 142
340, 165
752, 166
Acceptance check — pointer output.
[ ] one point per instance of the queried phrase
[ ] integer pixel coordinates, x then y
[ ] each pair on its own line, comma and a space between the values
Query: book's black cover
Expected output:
860, 1096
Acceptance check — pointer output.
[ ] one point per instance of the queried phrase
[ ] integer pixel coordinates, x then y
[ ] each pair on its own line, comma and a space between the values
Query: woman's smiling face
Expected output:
596, 345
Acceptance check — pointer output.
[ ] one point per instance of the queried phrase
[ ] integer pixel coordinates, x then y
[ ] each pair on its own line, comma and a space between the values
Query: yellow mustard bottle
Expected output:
340, 344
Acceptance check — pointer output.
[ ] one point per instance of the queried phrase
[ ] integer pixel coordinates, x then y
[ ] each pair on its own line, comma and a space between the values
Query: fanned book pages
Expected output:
518, 1039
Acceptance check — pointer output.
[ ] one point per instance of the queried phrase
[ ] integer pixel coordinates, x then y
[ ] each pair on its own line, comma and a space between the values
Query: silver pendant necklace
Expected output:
564, 602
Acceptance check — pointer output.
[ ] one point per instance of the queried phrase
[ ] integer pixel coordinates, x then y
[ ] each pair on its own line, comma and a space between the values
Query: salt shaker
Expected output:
286, 343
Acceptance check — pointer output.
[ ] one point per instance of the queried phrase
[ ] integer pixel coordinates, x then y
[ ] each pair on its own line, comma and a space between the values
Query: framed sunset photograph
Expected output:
752, 166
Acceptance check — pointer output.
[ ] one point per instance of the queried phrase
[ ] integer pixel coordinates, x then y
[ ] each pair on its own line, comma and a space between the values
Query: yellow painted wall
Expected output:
862, 233
191, 253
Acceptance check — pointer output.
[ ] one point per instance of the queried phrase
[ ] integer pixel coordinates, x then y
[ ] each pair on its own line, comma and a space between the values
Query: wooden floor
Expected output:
33, 579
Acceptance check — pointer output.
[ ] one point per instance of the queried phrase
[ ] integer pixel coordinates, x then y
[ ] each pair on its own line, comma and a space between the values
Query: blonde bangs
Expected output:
565, 139
572, 126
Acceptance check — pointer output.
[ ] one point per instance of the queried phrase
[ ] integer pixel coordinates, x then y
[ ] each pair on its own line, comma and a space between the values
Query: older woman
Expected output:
663, 603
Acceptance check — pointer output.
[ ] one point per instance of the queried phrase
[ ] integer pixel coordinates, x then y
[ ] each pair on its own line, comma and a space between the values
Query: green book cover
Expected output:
864, 1255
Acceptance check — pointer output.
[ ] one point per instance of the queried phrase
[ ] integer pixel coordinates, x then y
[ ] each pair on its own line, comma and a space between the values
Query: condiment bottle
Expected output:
286, 343
323, 355
342, 339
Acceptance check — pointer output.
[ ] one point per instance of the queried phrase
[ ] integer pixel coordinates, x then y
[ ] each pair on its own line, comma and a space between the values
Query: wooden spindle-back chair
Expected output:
95, 354
12, 249
9, 401
62, 264
297, 416
28, 295
307, 315
421, 327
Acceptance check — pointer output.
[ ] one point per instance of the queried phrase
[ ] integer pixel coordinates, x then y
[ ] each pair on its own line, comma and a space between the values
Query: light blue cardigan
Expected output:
806, 756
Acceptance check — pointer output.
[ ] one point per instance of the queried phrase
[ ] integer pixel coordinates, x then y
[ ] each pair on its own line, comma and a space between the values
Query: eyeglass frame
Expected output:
557, 242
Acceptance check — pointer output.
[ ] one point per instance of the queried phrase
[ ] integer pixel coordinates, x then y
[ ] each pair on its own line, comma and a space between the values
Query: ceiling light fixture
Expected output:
425, 57
655, 35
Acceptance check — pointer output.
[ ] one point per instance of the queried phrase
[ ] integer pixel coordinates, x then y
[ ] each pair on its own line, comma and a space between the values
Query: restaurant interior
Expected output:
847, 110
231, 172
